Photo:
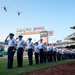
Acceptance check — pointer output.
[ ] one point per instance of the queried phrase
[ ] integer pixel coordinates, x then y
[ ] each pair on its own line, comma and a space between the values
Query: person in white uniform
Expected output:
45, 52
41, 49
51, 52
36, 52
54, 52
30, 47
59, 55
48, 52
11, 49
21, 46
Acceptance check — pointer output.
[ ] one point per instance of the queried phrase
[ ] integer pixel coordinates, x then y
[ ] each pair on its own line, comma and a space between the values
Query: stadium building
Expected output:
69, 41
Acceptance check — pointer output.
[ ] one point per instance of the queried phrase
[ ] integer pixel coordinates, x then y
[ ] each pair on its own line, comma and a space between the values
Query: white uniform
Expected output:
51, 48
41, 45
65, 51
36, 49
54, 49
48, 48
45, 48
60, 51
20, 43
30, 45
11, 42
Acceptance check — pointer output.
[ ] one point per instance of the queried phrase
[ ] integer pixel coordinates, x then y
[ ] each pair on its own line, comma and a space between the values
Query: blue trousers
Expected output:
54, 55
37, 58
51, 56
30, 56
41, 55
10, 57
20, 57
48, 56
44, 57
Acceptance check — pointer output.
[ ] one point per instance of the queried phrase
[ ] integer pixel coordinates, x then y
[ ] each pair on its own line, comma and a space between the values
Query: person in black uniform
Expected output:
30, 47
21, 47
11, 49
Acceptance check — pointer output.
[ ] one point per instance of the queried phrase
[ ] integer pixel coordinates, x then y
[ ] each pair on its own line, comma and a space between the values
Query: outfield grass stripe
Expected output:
26, 68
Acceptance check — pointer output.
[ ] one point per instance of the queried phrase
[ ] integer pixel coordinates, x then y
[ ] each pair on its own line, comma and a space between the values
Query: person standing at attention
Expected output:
41, 49
21, 46
36, 52
54, 52
48, 52
11, 49
30, 47
45, 52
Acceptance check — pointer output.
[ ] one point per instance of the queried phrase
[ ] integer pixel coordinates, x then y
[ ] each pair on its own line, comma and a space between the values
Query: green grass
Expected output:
26, 68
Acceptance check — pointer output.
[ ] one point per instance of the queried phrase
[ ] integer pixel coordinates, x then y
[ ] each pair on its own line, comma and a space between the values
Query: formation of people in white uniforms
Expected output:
43, 52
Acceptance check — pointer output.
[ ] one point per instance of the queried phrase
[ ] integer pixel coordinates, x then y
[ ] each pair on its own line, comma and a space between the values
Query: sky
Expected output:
56, 15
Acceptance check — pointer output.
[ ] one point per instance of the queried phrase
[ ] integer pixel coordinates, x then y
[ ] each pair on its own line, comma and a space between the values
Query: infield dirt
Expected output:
65, 69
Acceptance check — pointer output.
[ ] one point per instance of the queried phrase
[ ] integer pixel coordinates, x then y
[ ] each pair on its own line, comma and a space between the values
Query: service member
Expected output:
45, 52
59, 54
54, 52
36, 52
30, 47
21, 46
11, 49
41, 49
48, 52
51, 52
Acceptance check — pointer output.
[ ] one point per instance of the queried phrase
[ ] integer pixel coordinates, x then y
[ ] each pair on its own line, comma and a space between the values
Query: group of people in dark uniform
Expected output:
43, 52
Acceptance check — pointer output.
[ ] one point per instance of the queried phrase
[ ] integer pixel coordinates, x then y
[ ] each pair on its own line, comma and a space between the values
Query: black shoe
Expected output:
30, 64
9, 67
19, 66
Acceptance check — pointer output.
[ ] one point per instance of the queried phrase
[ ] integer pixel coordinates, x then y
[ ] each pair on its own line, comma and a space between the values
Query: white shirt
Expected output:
54, 49
45, 48
60, 51
41, 45
69, 51
65, 51
11, 42
20, 43
30, 45
36, 49
48, 48
51, 48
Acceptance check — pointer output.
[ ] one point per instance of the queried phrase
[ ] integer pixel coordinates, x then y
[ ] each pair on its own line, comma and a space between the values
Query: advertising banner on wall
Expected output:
50, 33
43, 33
38, 28
44, 36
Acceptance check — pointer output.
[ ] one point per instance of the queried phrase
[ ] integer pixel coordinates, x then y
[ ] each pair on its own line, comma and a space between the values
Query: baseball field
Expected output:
65, 67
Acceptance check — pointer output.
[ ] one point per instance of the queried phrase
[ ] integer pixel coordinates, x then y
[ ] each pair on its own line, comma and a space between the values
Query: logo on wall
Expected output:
38, 28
